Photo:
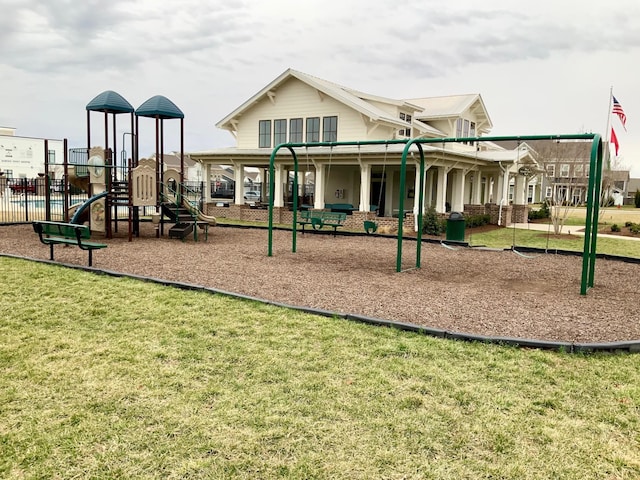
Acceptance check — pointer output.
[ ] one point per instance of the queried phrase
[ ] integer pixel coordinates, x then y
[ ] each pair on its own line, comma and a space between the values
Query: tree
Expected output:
566, 175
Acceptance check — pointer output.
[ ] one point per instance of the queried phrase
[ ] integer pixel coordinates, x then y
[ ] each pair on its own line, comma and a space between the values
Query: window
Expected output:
548, 192
313, 129
551, 170
279, 132
577, 196
578, 170
562, 194
295, 130
264, 134
52, 156
405, 132
564, 170
330, 129
465, 129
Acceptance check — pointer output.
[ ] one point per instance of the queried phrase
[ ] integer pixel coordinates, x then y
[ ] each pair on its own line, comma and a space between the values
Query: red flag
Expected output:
617, 109
614, 140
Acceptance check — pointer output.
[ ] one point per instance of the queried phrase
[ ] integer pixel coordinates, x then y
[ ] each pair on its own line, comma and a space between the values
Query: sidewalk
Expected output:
567, 229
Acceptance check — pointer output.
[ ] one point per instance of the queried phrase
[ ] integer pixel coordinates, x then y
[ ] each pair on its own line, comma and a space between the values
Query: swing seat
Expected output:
316, 223
370, 227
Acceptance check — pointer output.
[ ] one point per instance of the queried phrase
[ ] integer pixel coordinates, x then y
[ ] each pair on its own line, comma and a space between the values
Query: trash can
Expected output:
455, 227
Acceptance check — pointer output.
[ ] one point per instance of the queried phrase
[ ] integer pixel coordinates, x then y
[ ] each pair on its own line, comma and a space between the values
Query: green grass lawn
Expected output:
506, 237
106, 377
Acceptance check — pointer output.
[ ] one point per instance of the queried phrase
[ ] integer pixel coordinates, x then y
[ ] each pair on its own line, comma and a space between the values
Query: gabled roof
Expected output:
452, 106
357, 100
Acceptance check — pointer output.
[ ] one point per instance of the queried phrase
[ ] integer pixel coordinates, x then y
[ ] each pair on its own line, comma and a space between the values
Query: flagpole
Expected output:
607, 132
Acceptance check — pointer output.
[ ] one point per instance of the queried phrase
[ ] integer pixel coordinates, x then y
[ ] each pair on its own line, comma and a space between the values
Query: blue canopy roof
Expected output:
159, 106
110, 102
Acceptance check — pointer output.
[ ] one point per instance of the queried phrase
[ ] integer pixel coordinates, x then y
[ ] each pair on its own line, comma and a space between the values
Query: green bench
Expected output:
341, 207
318, 219
56, 233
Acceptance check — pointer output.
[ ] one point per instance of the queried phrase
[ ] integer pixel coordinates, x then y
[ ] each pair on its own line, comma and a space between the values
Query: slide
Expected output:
83, 207
198, 213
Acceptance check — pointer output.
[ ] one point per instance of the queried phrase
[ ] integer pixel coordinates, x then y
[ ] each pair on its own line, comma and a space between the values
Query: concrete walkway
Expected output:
567, 229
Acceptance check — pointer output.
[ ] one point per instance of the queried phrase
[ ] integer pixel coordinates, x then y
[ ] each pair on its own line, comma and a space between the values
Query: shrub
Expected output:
634, 228
431, 223
477, 220
543, 212
615, 227
636, 199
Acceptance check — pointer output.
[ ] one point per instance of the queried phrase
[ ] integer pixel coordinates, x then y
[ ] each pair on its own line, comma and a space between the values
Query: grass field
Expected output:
506, 237
113, 378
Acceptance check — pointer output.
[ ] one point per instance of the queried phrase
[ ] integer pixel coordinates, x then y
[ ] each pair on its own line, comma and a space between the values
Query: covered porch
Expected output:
365, 182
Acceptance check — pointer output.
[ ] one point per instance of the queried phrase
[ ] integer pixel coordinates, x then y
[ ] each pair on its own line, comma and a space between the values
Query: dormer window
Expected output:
465, 129
405, 132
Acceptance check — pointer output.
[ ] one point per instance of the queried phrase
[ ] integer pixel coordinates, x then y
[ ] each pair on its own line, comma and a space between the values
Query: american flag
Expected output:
617, 109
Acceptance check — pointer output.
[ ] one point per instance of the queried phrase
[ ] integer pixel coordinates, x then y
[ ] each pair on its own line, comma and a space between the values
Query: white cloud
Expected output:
543, 67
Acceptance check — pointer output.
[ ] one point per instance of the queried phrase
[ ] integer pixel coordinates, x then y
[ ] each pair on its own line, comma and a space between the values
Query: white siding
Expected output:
25, 156
295, 99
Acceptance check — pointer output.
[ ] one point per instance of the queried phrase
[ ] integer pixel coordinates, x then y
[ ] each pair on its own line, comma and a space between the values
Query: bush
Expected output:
477, 220
634, 228
432, 224
544, 212
615, 227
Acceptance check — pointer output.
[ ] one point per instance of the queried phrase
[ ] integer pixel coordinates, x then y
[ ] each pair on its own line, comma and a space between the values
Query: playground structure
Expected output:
115, 186
593, 191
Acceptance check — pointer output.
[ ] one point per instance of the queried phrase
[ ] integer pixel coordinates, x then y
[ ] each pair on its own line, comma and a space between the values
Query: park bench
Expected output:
318, 219
52, 233
341, 207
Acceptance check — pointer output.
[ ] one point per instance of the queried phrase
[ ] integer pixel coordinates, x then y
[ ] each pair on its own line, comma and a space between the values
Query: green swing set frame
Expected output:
593, 192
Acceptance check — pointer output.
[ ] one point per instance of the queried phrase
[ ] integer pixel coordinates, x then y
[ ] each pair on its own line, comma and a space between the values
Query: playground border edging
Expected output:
630, 346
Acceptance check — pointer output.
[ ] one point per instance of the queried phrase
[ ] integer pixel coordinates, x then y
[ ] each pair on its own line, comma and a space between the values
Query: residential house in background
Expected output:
297, 107
632, 187
566, 170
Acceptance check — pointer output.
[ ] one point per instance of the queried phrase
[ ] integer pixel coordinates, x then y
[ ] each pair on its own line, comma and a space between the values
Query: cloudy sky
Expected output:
542, 67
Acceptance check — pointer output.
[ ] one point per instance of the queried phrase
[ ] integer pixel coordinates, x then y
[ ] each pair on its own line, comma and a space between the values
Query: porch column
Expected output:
441, 190
501, 189
238, 177
428, 189
519, 194
301, 185
263, 183
416, 191
457, 194
318, 198
278, 199
207, 182
477, 188
365, 188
